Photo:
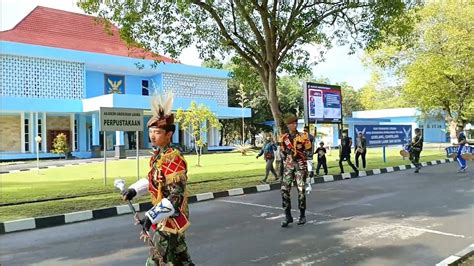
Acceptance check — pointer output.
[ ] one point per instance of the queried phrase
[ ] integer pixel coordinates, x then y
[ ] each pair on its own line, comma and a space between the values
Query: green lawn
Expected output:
219, 172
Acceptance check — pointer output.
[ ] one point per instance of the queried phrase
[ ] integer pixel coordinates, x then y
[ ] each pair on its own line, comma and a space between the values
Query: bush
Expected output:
60, 145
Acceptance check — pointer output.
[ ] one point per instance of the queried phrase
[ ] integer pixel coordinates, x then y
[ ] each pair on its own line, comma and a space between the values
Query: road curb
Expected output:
68, 218
458, 257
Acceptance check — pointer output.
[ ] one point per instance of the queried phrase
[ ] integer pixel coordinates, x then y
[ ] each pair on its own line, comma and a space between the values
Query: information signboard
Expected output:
322, 103
384, 135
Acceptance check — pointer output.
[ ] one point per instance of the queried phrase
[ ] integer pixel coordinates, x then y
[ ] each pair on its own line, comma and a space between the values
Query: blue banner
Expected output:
384, 135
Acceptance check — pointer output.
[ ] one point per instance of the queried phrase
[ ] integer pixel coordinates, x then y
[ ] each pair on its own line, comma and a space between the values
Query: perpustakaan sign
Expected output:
121, 119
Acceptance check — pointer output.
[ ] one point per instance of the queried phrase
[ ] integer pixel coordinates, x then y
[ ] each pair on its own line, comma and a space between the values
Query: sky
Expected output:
338, 66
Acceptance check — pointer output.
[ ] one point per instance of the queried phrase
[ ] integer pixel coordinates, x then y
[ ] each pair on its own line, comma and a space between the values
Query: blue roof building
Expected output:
434, 129
59, 68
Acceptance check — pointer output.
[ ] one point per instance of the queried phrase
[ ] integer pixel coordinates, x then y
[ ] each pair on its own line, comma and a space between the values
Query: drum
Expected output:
452, 151
405, 152
467, 153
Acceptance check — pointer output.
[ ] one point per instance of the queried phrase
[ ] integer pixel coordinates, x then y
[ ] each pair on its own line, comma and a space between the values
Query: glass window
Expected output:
145, 90
27, 135
75, 133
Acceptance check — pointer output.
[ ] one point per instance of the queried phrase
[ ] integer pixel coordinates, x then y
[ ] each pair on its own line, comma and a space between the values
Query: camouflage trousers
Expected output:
174, 247
293, 174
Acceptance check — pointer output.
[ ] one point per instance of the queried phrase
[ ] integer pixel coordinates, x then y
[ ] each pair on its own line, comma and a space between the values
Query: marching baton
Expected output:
120, 185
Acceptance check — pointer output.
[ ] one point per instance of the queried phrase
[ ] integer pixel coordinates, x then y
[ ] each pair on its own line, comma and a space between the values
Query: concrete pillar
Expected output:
22, 131
120, 145
73, 132
119, 138
82, 134
32, 132
95, 129
44, 135
204, 136
175, 138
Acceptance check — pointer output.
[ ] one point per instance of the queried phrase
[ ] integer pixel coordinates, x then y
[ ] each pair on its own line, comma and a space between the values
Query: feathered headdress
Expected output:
161, 106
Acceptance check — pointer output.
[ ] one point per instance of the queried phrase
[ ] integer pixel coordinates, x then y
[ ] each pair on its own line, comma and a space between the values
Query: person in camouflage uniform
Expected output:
309, 155
166, 183
416, 148
294, 147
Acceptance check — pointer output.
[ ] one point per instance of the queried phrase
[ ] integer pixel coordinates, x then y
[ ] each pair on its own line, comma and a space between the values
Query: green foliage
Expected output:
377, 95
192, 121
350, 100
269, 35
437, 61
60, 144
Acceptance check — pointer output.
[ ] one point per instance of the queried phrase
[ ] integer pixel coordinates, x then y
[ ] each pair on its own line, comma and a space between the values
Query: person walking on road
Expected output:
321, 152
309, 155
268, 152
360, 149
416, 148
166, 184
294, 146
345, 152
461, 142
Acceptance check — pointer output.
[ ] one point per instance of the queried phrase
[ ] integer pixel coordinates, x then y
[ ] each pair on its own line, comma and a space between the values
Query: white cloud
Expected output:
339, 67
13, 11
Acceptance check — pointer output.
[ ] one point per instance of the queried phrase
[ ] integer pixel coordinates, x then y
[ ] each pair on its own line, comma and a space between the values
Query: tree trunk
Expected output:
252, 139
453, 138
196, 148
269, 83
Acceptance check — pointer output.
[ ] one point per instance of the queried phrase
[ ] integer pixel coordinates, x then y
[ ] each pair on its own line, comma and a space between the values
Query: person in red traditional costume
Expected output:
166, 183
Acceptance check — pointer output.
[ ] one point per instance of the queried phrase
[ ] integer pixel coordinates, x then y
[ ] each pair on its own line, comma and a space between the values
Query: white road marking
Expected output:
272, 207
276, 217
252, 204
431, 231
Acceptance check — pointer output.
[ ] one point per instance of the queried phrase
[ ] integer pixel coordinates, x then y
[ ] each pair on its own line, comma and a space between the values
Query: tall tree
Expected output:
350, 100
437, 63
378, 95
269, 35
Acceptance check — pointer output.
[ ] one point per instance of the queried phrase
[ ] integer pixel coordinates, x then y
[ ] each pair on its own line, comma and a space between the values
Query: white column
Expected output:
31, 133
119, 138
216, 137
73, 133
22, 131
210, 136
188, 138
44, 140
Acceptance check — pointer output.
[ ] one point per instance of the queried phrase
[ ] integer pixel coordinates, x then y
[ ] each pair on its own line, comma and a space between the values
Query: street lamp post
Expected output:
38, 140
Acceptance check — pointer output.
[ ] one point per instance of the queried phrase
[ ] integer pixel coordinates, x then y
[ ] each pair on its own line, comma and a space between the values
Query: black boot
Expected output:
302, 219
288, 219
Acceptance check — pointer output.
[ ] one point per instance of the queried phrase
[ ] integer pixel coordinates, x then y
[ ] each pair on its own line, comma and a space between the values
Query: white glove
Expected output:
308, 188
161, 211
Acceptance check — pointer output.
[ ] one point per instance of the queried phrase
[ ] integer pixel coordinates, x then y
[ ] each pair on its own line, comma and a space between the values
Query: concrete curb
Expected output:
46, 167
49, 221
458, 257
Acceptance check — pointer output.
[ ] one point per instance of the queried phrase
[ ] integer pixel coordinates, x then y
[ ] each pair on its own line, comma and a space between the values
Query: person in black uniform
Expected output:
416, 148
321, 152
345, 152
360, 149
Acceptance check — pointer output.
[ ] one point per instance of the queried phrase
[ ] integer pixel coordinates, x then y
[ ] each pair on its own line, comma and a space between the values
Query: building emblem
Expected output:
114, 84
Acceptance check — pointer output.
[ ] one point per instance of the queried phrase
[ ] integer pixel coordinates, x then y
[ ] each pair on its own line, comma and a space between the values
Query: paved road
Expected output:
393, 219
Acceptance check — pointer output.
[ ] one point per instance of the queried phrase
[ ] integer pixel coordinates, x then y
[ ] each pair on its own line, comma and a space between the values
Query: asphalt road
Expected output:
399, 218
